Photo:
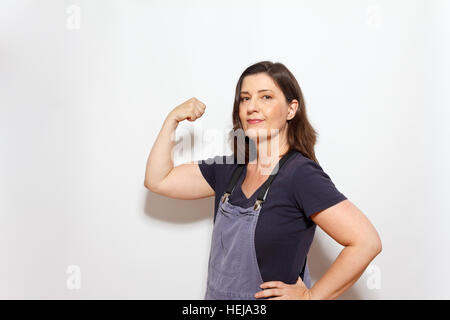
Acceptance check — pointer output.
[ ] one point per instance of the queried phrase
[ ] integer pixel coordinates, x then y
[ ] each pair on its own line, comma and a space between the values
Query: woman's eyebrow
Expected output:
258, 91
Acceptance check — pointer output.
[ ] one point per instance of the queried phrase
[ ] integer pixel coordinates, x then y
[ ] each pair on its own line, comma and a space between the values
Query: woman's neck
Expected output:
267, 157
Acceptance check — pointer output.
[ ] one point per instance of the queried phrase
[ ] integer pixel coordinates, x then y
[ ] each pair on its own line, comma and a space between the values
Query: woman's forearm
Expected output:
343, 273
159, 162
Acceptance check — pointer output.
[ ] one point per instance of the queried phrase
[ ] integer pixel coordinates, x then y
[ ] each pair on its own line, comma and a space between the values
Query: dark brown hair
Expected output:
301, 136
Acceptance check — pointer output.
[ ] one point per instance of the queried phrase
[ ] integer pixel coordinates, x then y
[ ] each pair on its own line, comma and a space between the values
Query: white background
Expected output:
81, 107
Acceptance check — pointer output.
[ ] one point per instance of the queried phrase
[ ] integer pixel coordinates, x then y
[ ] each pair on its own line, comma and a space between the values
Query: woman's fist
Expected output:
191, 109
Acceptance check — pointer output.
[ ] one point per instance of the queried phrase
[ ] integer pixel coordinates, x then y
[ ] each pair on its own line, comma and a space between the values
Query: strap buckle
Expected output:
257, 204
225, 197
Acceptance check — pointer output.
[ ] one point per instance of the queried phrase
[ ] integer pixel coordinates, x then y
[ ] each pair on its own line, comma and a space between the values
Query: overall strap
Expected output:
234, 179
263, 193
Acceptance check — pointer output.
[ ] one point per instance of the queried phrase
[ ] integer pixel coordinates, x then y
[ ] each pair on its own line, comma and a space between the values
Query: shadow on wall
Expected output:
182, 212
188, 211
178, 211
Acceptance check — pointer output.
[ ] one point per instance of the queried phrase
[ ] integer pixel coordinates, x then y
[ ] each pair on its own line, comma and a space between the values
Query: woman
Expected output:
268, 205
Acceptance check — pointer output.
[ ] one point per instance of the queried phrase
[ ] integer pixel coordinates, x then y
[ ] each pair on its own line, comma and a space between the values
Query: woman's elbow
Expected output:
374, 246
371, 246
378, 247
150, 186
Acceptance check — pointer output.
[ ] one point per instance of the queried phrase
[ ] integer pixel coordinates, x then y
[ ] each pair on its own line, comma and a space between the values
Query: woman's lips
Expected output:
253, 121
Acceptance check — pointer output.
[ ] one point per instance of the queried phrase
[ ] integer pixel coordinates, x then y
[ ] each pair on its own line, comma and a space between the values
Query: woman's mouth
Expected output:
254, 121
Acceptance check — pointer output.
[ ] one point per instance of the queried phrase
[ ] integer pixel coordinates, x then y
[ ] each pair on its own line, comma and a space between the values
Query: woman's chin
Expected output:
257, 138
259, 134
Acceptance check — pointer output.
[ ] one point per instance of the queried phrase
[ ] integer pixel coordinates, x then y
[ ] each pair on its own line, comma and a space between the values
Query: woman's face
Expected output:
261, 99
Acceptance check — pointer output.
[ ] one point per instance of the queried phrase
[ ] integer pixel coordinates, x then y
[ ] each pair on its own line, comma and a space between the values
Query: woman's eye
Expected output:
243, 98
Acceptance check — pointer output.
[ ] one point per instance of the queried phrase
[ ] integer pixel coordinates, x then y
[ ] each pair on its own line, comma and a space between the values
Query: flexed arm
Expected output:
184, 181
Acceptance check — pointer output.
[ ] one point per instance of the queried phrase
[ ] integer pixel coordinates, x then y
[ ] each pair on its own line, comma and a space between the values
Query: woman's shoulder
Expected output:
302, 163
219, 164
216, 169
302, 167
309, 173
314, 190
218, 160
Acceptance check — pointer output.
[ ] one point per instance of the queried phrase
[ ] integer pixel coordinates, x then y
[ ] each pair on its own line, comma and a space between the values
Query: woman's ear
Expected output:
292, 109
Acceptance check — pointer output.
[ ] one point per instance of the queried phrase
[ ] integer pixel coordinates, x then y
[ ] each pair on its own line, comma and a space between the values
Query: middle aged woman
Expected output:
267, 207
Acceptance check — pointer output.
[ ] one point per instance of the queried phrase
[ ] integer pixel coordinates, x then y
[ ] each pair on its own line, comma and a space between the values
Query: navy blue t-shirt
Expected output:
284, 231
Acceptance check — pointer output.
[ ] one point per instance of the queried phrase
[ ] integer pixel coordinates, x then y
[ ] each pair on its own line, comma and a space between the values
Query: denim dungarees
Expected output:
233, 271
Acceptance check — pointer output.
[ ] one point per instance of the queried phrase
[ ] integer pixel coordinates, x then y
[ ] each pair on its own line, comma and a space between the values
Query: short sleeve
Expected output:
208, 168
313, 189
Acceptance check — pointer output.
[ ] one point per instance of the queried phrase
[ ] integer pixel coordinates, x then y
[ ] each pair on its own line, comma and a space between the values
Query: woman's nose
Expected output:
252, 106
